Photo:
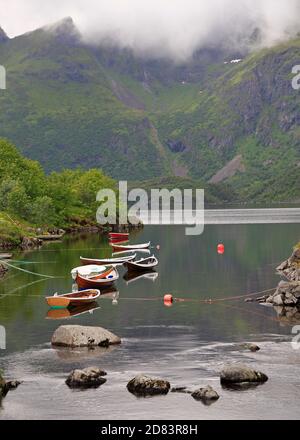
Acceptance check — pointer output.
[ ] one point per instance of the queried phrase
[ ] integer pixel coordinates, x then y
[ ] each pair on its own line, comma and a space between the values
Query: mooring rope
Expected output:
3, 295
201, 301
28, 271
31, 262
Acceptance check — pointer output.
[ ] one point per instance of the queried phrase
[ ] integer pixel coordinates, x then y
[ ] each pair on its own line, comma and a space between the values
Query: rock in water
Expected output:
206, 394
82, 336
5, 387
182, 390
234, 374
251, 347
144, 385
91, 377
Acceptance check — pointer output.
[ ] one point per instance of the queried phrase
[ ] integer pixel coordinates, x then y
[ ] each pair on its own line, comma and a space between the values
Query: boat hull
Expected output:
106, 262
130, 247
88, 283
145, 265
118, 235
73, 299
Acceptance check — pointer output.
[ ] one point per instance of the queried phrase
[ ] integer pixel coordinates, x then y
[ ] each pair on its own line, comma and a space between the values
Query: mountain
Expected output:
220, 117
3, 36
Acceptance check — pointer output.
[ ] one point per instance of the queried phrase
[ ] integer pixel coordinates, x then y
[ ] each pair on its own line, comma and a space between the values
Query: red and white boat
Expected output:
118, 235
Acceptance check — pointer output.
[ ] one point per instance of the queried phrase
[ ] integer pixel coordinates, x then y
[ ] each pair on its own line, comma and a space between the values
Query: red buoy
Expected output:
168, 300
221, 249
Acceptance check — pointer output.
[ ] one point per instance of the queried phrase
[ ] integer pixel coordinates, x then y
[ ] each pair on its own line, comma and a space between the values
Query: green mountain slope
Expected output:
70, 104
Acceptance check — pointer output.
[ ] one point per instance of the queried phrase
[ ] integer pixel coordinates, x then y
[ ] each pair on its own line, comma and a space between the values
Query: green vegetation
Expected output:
29, 198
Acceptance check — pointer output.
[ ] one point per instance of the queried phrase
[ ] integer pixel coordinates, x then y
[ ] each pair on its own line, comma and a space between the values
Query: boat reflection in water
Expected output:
130, 277
71, 312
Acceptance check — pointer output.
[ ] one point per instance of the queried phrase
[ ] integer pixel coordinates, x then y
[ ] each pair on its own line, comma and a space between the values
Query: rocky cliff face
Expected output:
3, 36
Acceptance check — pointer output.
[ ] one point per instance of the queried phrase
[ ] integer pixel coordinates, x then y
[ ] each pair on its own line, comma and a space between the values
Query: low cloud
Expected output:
173, 28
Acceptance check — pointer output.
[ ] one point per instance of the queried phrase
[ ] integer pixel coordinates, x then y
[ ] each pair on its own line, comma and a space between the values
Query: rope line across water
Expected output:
28, 271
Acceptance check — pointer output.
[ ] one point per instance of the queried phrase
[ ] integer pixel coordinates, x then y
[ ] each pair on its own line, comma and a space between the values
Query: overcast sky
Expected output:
172, 27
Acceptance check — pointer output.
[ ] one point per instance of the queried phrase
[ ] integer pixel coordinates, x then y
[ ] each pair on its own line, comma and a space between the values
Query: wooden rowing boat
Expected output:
118, 241
141, 251
74, 298
5, 256
107, 261
118, 235
105, 279
91, 269
143, 264
130, 246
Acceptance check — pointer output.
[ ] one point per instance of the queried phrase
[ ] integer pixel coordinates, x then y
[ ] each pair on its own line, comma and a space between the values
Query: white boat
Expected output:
91, 269
107, 261
124, 247
131, 251
142, 264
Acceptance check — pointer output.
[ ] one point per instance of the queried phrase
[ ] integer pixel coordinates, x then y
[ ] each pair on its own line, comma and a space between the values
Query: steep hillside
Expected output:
69, 104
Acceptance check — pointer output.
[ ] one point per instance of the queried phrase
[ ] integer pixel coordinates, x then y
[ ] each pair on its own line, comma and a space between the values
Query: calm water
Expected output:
187, 344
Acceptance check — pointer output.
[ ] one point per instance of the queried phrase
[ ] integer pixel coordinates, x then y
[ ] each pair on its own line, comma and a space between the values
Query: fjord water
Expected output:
187, 343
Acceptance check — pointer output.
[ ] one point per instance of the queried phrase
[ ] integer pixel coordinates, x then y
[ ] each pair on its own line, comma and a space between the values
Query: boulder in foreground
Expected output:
82, 336
236, 374
91, 377
142, 385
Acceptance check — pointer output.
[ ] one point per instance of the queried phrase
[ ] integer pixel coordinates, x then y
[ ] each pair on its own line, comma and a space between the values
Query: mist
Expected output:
164, 28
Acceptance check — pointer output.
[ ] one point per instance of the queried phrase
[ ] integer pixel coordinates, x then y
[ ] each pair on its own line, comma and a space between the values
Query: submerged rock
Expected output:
83, 336
250, 346
239, 373
182, 390
142, 385
206, 394
91, 377
288, 315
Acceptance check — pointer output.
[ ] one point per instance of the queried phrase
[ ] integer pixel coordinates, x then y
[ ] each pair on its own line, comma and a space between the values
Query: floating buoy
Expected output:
158, 247
168, 300
221, 249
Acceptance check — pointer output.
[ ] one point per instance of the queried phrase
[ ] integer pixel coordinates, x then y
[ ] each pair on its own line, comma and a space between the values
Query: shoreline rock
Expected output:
290, 268
91, 377
142, 385
3, 270
5, 387
239, 373
286, 294
83, 336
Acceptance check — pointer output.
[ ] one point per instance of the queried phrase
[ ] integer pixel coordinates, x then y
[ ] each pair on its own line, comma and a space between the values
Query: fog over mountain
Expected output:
172, 28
